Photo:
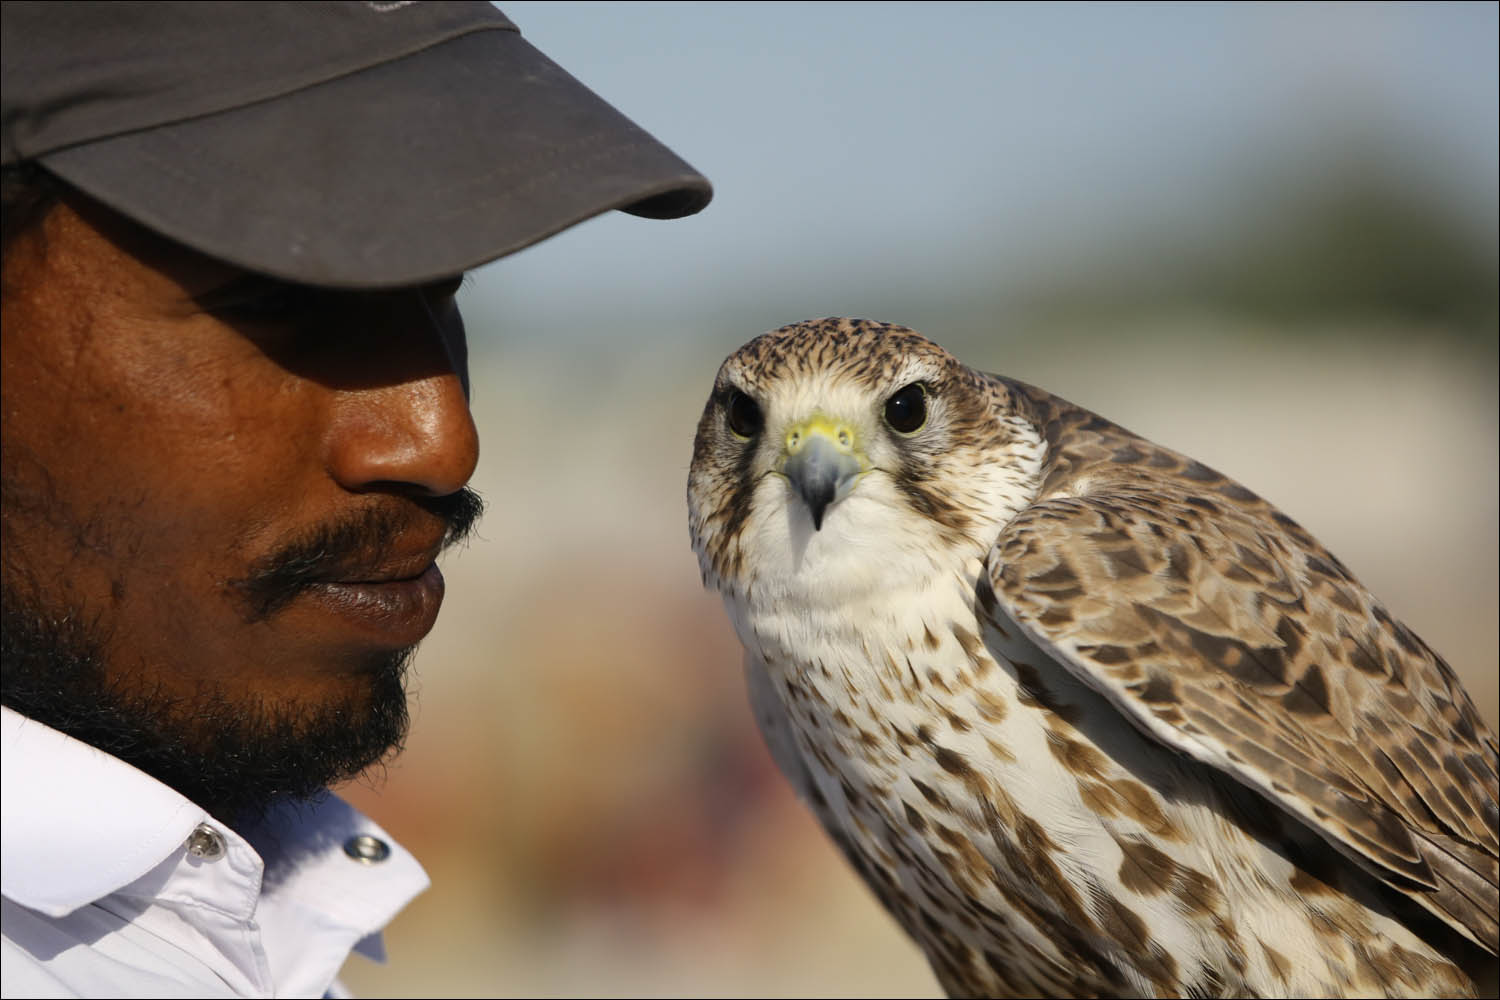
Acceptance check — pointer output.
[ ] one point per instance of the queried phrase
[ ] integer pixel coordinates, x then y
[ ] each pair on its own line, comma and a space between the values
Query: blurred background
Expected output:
1262, 235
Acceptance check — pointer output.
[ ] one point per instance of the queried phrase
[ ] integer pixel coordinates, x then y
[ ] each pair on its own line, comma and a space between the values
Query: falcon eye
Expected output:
745, 418
906, 411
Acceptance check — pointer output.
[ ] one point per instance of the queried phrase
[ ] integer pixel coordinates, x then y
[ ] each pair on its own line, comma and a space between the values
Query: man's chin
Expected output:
233, 756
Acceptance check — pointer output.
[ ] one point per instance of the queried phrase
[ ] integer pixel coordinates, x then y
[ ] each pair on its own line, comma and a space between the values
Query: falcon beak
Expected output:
820, 462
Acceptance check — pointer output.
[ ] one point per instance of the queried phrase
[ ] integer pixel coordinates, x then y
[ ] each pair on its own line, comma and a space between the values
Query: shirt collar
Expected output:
77, 824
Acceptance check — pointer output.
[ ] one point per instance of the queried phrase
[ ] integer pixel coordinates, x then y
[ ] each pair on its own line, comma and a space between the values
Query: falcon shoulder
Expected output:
1221, 628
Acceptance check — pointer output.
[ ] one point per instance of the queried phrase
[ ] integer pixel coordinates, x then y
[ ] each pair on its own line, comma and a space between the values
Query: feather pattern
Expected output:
1088, 717
1226, 631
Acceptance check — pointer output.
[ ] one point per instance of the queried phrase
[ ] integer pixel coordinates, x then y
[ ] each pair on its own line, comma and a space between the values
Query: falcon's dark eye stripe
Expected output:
745, 418
906, 410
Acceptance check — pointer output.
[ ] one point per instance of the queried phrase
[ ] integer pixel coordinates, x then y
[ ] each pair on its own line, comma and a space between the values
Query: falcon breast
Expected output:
1089, 718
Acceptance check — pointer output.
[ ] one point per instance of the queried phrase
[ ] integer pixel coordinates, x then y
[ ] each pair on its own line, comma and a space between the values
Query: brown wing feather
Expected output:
1221, 627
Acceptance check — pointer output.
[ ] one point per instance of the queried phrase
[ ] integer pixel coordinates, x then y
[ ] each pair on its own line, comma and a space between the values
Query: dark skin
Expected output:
237, 485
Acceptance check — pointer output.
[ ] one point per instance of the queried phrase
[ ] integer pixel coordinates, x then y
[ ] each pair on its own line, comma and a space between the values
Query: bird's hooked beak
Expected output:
820, 461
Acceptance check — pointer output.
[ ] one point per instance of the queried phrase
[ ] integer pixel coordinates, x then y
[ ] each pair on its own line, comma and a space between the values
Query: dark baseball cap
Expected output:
346, 144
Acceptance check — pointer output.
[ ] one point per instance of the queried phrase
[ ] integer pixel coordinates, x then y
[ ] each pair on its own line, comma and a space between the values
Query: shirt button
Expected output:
367, 849
205, 842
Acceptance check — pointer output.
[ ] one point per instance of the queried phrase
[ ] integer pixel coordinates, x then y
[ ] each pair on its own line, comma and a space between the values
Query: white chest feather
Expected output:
1004, 812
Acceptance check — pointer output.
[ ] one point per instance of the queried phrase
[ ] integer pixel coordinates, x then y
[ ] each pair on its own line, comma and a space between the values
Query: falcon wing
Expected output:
1218, 626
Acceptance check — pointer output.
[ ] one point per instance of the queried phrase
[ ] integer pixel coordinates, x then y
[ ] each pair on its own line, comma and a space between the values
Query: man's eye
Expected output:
260, 302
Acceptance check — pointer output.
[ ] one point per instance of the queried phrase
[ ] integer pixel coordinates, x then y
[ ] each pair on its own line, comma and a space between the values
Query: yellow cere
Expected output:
837, 433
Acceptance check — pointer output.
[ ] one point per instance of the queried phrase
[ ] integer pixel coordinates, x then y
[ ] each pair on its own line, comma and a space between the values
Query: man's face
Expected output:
223, 496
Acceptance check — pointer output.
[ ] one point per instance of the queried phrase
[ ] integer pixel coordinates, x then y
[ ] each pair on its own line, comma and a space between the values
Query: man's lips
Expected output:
391, 569
395, 610
372, 571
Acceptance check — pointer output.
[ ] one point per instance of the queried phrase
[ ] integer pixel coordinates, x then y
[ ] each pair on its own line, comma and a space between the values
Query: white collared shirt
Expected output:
115, 885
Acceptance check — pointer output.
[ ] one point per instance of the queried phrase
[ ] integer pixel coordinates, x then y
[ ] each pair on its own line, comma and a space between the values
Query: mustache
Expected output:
350, 546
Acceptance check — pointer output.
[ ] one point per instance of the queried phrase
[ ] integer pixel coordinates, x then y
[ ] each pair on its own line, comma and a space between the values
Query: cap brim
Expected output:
416, 169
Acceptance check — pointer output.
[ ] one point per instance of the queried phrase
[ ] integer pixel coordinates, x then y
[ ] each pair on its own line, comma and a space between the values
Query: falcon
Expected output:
1090, 718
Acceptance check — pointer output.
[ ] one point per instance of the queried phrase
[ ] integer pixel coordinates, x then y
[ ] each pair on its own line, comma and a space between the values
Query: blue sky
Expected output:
879, 149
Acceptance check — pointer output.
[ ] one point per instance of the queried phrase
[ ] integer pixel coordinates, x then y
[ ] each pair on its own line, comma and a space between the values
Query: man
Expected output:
236, 436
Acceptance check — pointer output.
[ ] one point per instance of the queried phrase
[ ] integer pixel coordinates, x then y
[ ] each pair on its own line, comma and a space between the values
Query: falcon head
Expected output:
843, 455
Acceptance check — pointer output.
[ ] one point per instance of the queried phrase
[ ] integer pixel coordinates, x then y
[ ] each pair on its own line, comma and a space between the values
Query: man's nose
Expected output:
410, 430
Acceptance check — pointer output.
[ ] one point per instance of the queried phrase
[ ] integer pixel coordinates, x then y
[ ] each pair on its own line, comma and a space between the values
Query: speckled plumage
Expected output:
1090, 718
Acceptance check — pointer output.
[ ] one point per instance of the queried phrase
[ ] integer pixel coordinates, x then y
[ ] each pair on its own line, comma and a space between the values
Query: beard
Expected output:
235, 756
257, 755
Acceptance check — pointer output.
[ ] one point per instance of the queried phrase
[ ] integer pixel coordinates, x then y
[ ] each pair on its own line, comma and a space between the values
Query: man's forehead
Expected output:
81, 225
